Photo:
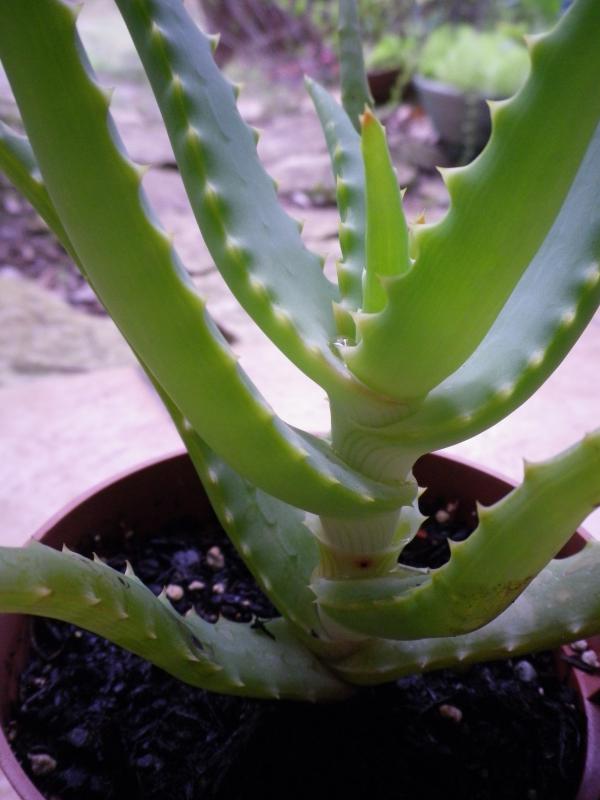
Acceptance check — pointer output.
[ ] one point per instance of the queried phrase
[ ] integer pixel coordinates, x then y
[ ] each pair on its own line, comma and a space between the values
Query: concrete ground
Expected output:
74, 407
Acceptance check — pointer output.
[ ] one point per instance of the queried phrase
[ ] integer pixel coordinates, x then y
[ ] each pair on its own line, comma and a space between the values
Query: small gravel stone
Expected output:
196, 586
174, 592
590, 658
218, 588
41, 763
442, 516
579, 646
11, 731
78, 737
215, 558
12, 205
451, 712
525, 671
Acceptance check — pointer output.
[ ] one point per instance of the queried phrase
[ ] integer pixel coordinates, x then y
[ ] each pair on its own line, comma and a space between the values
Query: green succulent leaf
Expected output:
541, 321
355, 87
562, 604
121, 247
228, 657
502, 208
254, 243
343, 144
386, 230
514, 540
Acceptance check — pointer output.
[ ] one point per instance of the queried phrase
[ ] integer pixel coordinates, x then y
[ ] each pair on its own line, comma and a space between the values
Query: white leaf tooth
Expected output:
91, 598
592, 276
536, 359
42, 592
504, 391
214, 40
192, 134
156, 31
258, 288
568, 317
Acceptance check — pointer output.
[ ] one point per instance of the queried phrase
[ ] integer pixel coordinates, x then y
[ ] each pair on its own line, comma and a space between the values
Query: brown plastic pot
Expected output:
146, 497
383, 83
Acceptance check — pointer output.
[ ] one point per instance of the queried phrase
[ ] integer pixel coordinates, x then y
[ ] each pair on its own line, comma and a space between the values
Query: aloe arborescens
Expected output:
429, 336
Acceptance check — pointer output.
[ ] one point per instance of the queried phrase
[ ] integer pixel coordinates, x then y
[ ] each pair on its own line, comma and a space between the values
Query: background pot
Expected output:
147, 497
383, 85
462, 119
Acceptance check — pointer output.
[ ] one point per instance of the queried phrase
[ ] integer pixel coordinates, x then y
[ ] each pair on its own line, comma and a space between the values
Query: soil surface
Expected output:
99, 723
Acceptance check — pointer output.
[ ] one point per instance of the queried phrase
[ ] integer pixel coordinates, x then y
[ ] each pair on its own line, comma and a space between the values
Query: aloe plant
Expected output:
430, 335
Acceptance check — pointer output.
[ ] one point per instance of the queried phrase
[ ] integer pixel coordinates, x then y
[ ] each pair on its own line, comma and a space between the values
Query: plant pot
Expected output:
462, 119
155, 493
382, 84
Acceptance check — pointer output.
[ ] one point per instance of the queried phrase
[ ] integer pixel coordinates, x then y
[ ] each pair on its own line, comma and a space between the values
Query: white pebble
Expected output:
215, 558
590, 658
451, 712
196, 586
525, 671
41, 763
580, 646
174, 592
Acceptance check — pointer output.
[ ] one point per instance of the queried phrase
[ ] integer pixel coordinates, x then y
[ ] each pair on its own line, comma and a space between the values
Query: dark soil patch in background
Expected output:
30, 250
99, 723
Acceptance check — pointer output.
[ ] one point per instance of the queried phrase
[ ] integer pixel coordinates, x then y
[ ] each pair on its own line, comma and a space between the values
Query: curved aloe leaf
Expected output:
514, 540
343, 144
540, 323
131, 263
355, 88
227, 657
386, 231
562, 604
255, 245
502, 207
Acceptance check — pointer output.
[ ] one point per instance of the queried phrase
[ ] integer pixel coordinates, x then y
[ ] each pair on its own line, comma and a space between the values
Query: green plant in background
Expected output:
491, 63
393, 52
429, 336
377, 17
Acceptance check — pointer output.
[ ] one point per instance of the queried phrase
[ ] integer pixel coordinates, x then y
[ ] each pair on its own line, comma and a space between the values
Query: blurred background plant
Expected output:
493, 63
291, 24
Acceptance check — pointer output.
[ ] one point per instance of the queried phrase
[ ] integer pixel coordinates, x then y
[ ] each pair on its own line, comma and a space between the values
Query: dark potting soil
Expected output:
98, 723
